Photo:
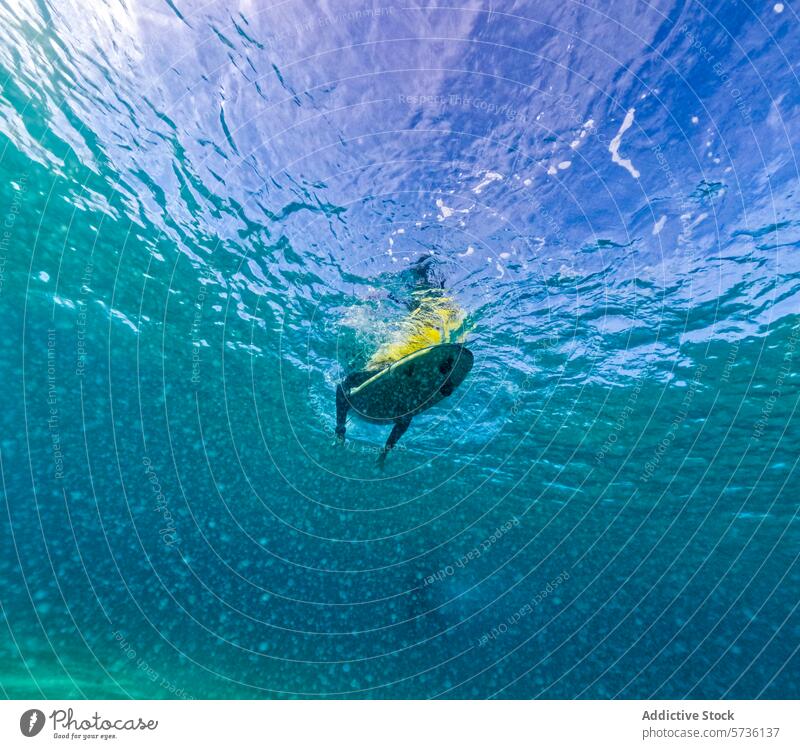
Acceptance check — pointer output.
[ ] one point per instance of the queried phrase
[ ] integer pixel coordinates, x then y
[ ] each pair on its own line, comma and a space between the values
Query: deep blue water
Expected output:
209, 210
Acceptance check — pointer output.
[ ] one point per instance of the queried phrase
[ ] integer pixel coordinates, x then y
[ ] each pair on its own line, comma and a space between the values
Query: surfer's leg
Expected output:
398, 430
342, 407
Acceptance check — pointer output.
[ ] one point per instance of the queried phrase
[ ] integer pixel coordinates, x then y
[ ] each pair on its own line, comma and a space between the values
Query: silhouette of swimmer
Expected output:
418, 382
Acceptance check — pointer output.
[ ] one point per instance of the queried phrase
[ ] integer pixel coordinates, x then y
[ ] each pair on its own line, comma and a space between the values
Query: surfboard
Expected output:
412, 384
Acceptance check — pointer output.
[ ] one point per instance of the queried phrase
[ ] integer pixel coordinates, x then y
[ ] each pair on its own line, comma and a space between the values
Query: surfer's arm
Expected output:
398, 430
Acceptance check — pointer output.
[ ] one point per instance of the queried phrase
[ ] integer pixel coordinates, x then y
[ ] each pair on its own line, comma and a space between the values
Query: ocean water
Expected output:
209, 212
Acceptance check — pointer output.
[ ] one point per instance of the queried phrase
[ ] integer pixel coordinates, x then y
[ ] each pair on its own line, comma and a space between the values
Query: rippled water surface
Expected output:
209, 213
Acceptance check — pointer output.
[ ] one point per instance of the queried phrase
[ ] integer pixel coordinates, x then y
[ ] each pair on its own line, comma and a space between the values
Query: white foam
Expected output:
123, 319
445, 211
488, 178
588, 125
68, 303
613, 147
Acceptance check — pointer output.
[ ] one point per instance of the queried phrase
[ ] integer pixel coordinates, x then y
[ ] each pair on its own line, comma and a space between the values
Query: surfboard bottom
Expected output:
412, 384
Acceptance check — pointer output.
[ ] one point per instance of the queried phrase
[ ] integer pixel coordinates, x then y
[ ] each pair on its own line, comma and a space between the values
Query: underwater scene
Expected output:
361, 351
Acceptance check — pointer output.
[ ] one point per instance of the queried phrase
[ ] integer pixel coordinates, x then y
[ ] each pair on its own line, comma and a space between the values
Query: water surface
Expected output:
208, 209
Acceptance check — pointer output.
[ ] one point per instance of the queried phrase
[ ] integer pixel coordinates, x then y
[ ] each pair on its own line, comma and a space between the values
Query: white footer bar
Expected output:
401, 725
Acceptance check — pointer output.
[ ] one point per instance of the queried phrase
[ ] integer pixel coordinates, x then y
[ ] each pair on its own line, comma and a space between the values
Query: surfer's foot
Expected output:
381, 461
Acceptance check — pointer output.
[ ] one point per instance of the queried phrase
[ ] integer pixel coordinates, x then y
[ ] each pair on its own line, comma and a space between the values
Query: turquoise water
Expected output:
208, 216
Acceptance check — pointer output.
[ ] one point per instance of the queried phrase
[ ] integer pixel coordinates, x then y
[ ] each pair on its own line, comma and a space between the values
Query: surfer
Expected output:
415, 368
